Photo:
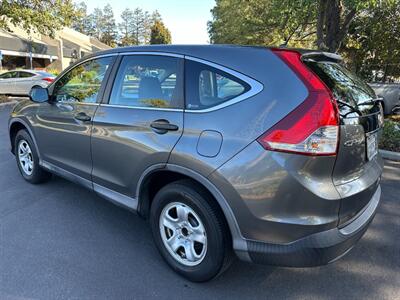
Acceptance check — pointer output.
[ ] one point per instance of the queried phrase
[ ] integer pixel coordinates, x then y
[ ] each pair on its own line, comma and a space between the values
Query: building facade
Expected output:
20, 50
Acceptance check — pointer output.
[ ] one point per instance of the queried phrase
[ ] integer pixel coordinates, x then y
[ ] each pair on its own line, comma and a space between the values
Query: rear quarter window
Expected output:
207, 86
25, 75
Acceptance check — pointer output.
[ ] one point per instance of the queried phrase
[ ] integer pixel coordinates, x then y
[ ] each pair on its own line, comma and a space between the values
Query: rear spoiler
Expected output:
320, 55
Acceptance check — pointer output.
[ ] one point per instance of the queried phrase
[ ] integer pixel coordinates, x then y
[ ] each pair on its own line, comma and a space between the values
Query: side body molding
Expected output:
239, 242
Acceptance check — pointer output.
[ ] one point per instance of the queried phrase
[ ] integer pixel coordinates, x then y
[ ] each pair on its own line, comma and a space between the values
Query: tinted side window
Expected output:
207, 86
149, 81
83, 82
25, 75
9, 75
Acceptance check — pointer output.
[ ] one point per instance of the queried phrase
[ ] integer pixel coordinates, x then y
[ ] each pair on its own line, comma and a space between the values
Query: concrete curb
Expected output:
8, 103
390, 155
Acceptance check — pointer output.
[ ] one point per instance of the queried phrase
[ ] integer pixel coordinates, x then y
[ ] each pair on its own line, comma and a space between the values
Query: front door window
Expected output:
82, 83
149, 81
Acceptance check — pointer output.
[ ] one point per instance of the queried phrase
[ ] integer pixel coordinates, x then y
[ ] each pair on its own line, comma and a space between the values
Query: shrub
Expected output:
390, 139
3, 99
55, 72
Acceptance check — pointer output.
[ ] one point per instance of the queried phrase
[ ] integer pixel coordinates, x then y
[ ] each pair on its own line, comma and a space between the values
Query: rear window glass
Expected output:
41, 73
346, 87
25, 75
208, 86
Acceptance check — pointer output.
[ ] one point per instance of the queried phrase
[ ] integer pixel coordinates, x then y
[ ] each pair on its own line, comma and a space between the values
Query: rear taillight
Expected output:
48, 79
312, 128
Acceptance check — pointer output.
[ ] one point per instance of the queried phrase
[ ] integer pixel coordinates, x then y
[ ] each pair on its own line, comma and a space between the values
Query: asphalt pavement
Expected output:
61, 241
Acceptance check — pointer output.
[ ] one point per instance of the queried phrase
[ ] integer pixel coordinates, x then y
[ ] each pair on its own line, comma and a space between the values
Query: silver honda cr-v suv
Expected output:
266, 153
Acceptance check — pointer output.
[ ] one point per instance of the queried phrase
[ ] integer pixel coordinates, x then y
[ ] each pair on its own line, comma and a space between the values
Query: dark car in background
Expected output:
390, 93
266, 153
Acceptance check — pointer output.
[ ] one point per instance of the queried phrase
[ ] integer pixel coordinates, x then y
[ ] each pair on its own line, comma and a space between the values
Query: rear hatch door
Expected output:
358, 166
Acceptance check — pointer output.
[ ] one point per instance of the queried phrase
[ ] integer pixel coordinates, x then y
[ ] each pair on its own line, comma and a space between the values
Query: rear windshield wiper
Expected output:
372, 101
352, 108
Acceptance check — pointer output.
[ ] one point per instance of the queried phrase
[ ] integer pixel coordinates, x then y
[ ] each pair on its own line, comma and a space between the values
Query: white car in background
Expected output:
20, 82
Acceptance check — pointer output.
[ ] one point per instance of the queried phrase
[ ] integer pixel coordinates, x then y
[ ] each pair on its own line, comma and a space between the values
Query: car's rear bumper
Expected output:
316, 249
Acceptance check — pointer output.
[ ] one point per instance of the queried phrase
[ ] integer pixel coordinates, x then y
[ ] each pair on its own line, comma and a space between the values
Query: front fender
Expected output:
20, 122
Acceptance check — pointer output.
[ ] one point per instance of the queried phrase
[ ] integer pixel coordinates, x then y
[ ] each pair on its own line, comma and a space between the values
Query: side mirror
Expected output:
39, 94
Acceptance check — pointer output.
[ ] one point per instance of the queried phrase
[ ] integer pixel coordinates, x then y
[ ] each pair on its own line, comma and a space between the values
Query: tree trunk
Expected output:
385, 72
345, 27
332, 23
320, 23
331, 29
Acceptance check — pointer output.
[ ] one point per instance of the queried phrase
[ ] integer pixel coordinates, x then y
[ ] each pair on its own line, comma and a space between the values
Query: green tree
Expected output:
372, 44
305, 23
45, 16
109, 28
365, 32
139, 26
80, 16
104, 26
160, 34
150, 20
97, 20
81, 21
155, 16
261, 22
135, 28
126, 28
335, 18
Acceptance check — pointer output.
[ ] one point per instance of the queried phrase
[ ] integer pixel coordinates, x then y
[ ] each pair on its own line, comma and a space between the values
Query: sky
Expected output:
186, 19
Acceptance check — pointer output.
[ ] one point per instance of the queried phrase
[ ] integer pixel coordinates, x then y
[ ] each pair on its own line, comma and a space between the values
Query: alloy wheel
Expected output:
25, 157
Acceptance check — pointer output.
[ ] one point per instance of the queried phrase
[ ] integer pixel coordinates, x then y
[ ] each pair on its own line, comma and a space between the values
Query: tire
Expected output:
213, 254
34, 174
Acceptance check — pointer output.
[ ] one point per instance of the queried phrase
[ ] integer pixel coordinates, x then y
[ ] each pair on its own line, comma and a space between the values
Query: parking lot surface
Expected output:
61, 241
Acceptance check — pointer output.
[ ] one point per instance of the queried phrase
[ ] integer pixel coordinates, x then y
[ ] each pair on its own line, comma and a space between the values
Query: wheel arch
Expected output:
16, 125
170, 173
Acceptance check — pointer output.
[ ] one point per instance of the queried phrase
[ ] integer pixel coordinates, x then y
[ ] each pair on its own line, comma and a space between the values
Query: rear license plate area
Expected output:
372, 145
